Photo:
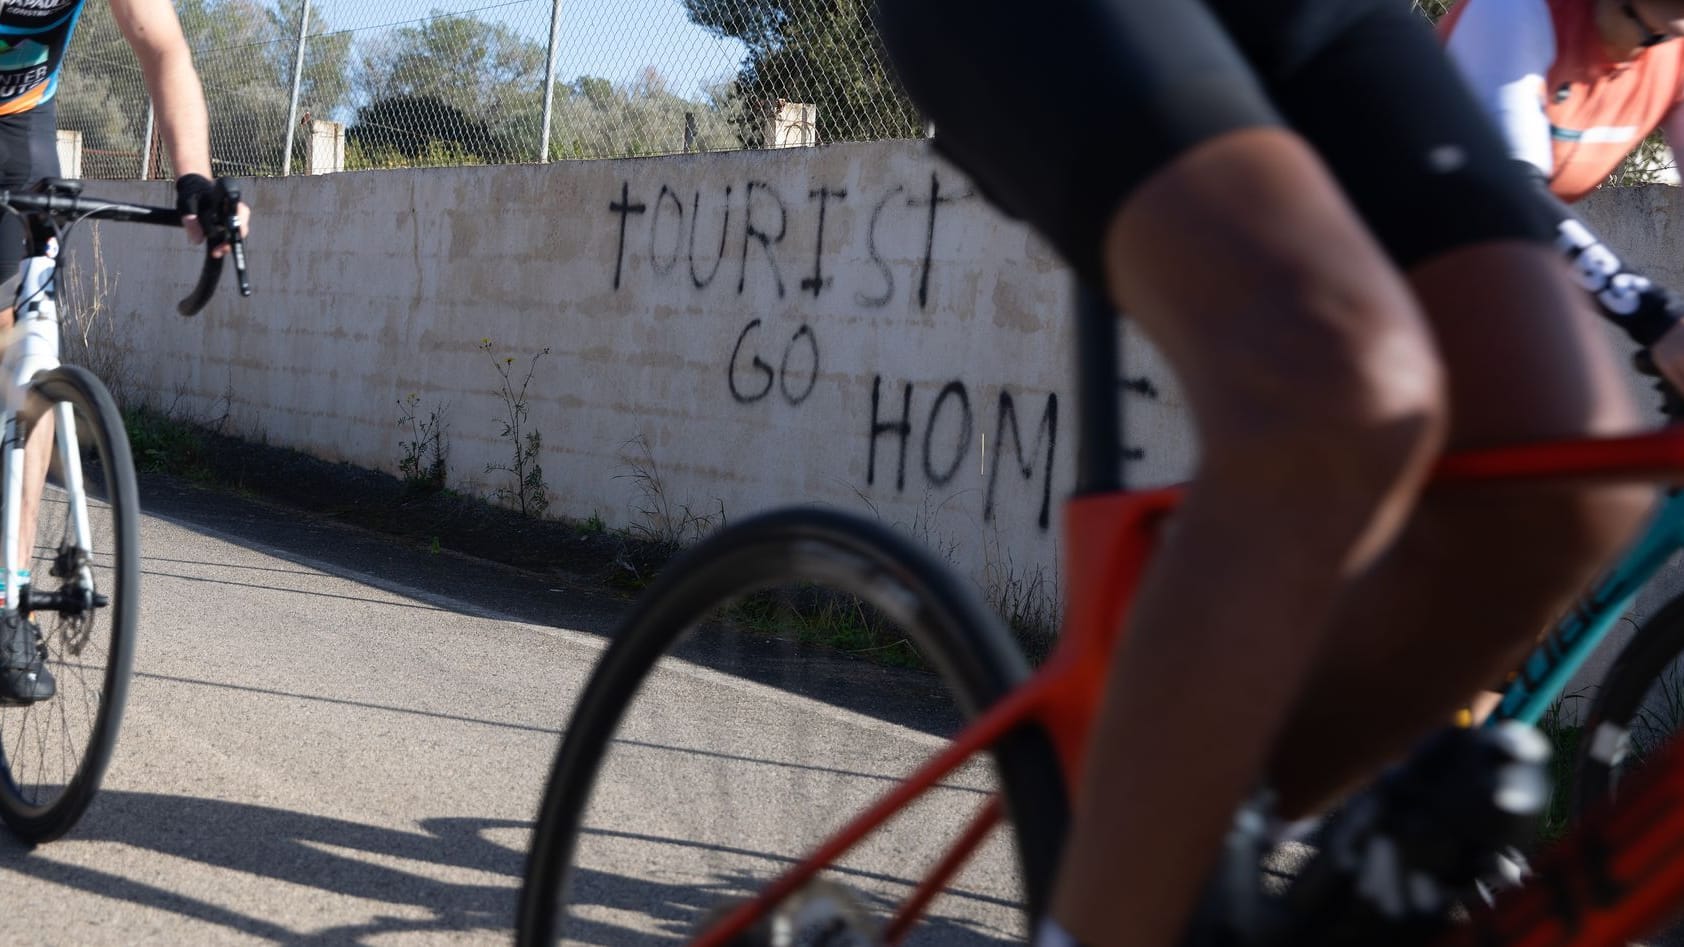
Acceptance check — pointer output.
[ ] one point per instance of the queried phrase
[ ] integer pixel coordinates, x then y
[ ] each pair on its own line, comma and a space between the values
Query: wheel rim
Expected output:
690, 808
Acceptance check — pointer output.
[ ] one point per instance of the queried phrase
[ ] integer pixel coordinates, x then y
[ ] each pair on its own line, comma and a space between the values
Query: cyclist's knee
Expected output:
1350, 405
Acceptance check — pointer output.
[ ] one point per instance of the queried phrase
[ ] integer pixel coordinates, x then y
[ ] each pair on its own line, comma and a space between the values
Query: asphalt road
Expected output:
334, 739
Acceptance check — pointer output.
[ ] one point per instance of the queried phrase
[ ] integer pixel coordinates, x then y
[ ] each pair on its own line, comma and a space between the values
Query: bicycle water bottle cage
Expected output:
63, 186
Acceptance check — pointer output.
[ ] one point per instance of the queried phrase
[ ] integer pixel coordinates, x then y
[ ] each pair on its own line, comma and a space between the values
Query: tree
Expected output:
595, 118
244, 51
482, 82
824, 52
407, 130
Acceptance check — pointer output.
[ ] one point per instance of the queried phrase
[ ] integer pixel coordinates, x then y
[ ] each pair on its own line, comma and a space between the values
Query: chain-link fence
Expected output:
384, 83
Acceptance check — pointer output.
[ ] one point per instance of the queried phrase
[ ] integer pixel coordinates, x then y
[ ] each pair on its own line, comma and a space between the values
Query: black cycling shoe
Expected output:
24, 678
1398, 858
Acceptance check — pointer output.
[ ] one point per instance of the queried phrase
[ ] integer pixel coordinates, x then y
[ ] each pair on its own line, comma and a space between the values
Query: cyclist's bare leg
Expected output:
1320, 406
37, 456
1460, 598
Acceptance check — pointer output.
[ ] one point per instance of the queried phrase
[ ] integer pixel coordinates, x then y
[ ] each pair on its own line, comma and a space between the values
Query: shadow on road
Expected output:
355, 860
328, 854
450, 583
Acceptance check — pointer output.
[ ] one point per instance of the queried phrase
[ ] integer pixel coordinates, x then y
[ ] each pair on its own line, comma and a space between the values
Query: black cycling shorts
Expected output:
1059, 109
28, 152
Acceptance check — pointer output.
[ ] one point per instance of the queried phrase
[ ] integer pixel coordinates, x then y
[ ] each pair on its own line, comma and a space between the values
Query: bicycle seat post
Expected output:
1099, 436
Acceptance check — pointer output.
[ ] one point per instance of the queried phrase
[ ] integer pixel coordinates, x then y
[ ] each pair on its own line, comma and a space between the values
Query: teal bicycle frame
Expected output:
1545, 674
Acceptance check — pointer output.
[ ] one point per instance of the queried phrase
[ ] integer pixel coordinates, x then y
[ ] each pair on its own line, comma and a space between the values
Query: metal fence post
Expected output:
146, 146
297, 82
549, 80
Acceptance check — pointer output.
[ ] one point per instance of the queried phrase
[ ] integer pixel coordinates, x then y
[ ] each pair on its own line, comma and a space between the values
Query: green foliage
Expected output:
164, 444
360, 156
416, 128
243, 50
1432, 9
815, 615
595, 118
824, 52
454, 79
1649, 163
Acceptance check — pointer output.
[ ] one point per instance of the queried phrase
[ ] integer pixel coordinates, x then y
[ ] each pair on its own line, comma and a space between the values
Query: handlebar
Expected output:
64, 202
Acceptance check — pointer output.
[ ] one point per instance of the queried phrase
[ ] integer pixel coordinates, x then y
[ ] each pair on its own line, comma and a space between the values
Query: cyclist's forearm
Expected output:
1642, 308
183, 121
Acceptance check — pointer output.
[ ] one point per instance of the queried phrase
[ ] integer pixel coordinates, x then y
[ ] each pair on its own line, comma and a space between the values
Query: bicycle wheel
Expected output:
1639, 705
85, 597
703, 759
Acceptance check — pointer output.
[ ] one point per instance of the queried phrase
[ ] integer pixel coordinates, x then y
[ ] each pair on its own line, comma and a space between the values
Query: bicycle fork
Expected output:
33, 348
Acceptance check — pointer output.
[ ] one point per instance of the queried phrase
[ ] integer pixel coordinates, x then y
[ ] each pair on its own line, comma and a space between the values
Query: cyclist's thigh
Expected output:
1059, 110
1434, 183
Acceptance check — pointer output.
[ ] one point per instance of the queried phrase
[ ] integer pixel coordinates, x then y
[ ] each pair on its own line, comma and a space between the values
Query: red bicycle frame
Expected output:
1615, 877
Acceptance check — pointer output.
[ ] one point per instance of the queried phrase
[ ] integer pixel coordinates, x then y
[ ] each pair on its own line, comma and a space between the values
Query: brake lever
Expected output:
220, 227
237, 242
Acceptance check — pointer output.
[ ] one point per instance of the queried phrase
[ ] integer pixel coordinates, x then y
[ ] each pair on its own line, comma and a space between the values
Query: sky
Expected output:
615, 39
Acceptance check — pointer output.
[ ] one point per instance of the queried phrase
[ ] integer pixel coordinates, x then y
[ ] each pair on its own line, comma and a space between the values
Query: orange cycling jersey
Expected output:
1532, 55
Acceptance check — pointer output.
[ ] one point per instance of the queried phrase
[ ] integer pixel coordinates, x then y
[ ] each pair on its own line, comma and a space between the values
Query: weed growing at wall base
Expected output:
422, 458
530, 494
661, 519
91, 331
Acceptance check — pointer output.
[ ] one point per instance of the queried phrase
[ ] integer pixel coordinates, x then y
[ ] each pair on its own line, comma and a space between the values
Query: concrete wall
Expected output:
849, 326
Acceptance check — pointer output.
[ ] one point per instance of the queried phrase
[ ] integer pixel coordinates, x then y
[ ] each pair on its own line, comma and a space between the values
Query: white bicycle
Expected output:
69, 535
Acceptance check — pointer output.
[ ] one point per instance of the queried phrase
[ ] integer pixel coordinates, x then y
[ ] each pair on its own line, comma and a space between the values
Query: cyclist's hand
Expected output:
190, 191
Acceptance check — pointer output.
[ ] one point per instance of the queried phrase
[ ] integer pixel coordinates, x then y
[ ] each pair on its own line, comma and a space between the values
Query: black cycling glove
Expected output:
191, 190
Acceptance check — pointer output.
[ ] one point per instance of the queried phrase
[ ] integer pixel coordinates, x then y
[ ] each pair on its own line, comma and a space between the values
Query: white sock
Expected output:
1051, 935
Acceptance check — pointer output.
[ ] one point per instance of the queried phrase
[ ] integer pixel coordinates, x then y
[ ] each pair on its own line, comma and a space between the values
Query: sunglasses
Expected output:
1651, 36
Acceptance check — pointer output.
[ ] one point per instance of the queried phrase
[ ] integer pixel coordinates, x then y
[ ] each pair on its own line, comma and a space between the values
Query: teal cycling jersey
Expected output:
34, 35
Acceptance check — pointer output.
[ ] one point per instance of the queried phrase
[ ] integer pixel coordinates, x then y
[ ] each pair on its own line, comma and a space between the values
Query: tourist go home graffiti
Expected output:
725, 237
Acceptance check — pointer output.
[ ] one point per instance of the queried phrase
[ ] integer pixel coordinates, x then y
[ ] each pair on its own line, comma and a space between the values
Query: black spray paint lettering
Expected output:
625, 208
752, 233
754, 381
881, 299
664, 266
901, 428
817, 282
695, 225
1046, 431
805, 333
952, 390
934, 203
1141, 387
954, 401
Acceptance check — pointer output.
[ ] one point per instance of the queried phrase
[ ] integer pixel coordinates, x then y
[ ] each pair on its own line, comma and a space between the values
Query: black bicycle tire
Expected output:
38, 824
1658, 643
953, 631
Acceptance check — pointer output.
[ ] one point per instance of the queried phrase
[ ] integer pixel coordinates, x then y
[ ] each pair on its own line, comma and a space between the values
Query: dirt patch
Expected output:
413, 513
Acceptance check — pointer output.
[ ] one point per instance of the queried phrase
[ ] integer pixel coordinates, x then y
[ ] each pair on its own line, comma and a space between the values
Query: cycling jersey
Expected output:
33, 37
1541, 70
